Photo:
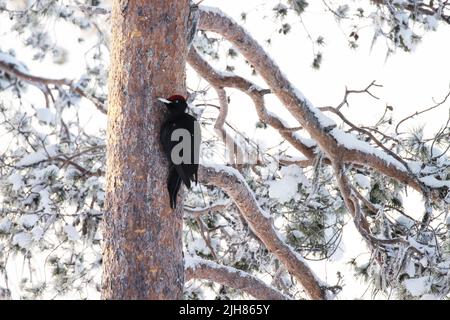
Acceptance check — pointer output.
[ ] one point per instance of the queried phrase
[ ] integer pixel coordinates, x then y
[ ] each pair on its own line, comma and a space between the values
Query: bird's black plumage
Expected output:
180, 133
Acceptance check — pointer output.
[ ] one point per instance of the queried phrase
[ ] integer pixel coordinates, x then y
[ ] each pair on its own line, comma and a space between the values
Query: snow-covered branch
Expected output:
43, 83
233, 183
197, 268
338, 145
221, 80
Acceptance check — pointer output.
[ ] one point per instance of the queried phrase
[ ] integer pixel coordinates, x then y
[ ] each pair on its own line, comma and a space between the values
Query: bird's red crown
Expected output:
176, 97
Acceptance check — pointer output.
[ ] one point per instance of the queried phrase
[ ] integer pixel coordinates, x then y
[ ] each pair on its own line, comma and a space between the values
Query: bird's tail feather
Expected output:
173, 186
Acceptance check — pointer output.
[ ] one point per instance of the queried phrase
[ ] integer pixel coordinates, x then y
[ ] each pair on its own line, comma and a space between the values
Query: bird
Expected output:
180, 137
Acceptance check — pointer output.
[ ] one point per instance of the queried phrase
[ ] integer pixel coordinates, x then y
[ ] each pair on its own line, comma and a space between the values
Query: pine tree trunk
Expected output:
142, 254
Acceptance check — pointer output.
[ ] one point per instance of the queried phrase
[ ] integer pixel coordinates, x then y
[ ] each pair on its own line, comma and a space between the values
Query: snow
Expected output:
362, 180
310, 143
233, 172
430, 296
297, 234
405, 221
29, 220
22, 239
71, 232
38, 156
45, 203
407, 35
191, 262
5, 225
37, 233
349, 141
418, 286
323, 119
214, 10
9, 59
431, 23
286, 122
46, 115
227, 169
16, 180
415, 166
199, 245
413, 243
410, 268
286, 188
431, 181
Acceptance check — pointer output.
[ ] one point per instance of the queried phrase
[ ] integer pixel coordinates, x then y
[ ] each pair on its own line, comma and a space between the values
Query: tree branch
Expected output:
197, 268
43, 83
232, 182
322, 129
222, 80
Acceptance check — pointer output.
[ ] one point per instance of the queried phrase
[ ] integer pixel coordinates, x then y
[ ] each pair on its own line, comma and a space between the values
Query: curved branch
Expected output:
40, 81
221, 79
321, 128
235, 151
232, 182
197, 268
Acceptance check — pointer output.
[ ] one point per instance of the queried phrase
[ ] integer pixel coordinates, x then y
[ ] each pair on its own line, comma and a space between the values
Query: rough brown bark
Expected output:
142, 256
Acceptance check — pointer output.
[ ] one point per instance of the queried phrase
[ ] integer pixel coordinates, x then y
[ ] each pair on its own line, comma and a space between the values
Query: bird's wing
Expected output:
167, 129
187, 171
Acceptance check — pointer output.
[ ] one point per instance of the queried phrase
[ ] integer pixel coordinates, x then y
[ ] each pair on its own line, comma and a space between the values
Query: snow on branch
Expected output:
260, 221
18, 71
221, 80
337, 145
197, 268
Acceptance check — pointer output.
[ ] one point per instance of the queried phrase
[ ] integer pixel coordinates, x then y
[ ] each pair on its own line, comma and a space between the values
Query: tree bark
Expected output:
142, 254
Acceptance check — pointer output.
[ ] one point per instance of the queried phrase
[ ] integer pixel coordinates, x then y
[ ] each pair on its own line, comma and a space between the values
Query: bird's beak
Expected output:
163, 100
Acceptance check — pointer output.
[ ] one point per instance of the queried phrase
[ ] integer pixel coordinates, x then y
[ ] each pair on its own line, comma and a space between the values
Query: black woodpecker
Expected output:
180, 137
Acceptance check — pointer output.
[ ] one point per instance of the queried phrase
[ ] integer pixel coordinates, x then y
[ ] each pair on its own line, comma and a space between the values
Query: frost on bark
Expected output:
142, 256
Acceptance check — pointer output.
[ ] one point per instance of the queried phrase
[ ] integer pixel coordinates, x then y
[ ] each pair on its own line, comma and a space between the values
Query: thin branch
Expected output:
197, 212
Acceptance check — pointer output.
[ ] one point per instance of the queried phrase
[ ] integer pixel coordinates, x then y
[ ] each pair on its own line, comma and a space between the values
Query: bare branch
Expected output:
236, 153
197, 212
